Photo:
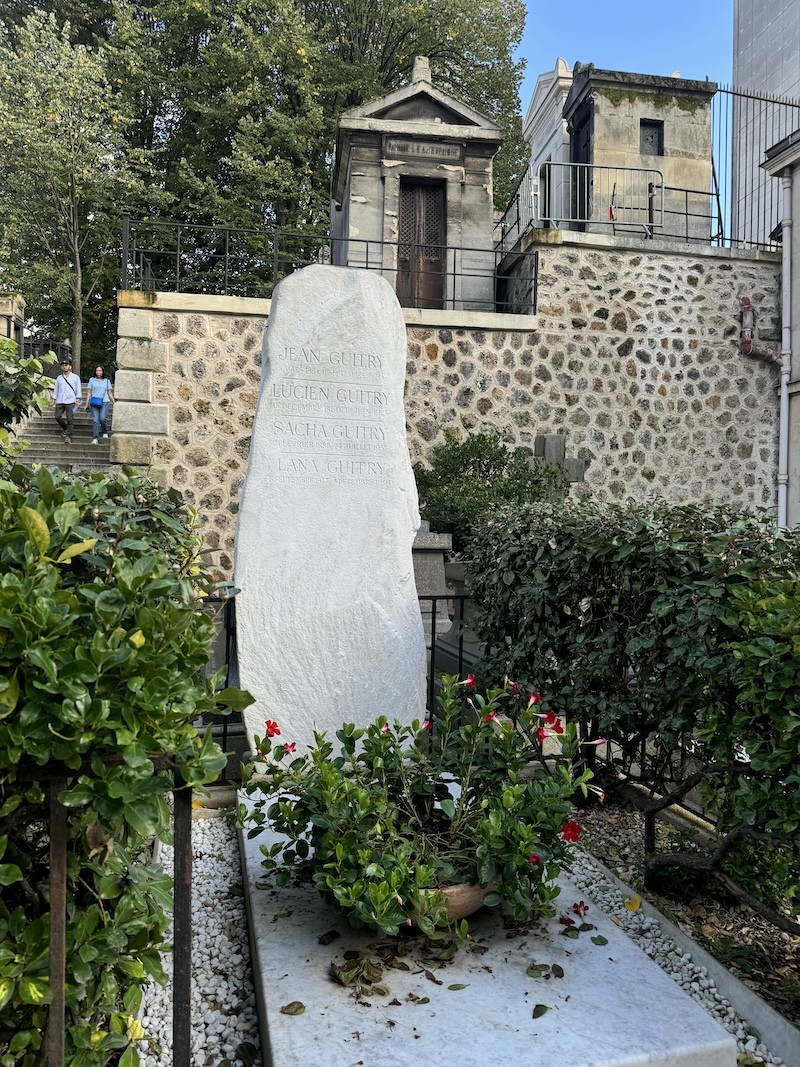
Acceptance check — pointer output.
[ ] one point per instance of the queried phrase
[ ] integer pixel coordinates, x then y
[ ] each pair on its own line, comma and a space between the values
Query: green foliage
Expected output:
222, 113
102, 640
22, 388
655, 622
469, 478
403, 810
64, 172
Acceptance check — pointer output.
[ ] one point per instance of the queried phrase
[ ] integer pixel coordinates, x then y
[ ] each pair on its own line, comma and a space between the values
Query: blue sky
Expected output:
692, 36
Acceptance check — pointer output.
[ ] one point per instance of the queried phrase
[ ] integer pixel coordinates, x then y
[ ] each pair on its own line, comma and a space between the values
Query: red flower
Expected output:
272, 728
541, 734
385, 728
570, 831
534, 698
427, 725
534, 858
513, 687
566, 921
470, 682
580, 908
550, 718
558, 727
490, 716
289, 747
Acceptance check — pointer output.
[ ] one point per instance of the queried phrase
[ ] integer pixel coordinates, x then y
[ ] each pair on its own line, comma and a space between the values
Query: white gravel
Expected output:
224, 1019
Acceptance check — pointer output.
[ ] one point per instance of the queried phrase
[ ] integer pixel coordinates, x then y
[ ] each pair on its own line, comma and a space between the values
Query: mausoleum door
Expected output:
422, 244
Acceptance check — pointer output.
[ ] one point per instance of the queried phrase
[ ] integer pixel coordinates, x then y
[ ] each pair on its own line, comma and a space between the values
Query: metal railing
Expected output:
159, 255
454, 658
621, 198
744, 125
616, 200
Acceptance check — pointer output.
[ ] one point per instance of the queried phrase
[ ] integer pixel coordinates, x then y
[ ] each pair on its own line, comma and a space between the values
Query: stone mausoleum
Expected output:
412, 195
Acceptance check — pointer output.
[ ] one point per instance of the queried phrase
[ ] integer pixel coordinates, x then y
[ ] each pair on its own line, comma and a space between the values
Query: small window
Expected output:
651, 137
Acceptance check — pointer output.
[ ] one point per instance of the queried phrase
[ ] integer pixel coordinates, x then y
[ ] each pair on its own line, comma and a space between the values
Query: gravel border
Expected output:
225, 1021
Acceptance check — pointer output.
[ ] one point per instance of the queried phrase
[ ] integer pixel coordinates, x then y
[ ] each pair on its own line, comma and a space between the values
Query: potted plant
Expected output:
403, 811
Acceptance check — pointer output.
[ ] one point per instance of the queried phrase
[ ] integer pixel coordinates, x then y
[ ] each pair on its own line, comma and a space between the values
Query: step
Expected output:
613, 1007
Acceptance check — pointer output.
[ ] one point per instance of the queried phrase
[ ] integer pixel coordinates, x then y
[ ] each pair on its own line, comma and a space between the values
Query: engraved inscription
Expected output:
328, 409
422, 149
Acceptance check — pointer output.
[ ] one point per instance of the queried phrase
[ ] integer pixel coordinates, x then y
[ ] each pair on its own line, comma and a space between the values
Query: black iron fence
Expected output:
744, 126
451, 650
166, 256
56, 779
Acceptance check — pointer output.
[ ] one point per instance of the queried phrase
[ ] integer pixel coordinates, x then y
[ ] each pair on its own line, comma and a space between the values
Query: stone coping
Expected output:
777, 1033
613, 1007
542, 238
204, 304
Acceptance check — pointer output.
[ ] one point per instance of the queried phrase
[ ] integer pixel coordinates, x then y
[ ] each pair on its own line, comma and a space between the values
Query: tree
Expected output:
64, 170
369, 47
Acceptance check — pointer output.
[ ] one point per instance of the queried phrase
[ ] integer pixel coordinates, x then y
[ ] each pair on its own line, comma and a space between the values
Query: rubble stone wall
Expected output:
633, 355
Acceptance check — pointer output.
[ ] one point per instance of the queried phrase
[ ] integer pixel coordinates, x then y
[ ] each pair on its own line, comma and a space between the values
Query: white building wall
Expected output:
766, 62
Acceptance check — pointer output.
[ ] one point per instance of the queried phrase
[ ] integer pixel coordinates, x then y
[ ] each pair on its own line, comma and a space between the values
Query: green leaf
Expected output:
539, 1010
9, 873
130, 1057
77, 550
458, 985
36, 529
34, 990
9, 694
598, 939
7, 987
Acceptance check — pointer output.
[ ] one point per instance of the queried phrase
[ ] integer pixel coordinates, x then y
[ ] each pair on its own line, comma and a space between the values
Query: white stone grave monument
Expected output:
328, 623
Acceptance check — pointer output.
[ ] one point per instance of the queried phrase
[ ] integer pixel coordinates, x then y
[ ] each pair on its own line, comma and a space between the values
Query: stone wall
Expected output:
634, 356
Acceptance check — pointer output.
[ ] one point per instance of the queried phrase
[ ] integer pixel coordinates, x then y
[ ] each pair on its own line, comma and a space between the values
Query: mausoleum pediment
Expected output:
418, 102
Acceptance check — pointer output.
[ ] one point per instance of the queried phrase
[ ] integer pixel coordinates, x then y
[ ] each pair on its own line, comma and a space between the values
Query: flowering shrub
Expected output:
402, 810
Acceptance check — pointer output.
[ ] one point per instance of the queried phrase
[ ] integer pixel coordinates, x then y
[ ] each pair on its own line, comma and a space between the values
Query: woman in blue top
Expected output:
98, 396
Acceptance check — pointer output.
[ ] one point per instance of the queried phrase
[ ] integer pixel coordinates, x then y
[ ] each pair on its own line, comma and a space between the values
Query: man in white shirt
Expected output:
66, 395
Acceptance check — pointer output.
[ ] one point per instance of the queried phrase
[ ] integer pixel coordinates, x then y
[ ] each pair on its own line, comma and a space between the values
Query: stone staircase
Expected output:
46, 446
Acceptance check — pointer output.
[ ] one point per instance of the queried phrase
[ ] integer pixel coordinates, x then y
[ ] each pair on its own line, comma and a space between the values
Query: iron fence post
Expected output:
182, 927
275, 252
126, 233
58, 924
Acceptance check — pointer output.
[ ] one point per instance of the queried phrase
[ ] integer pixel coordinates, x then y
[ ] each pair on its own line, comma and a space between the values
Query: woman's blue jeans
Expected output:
99, 424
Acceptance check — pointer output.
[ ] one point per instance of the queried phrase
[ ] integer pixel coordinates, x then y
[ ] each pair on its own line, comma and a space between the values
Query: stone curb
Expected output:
777, 1034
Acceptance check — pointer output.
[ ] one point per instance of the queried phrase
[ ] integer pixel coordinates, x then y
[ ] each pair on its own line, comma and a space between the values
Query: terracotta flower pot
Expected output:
462, 900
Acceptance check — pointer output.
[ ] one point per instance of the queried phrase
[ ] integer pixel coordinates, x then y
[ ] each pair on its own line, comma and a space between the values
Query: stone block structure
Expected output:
633, 356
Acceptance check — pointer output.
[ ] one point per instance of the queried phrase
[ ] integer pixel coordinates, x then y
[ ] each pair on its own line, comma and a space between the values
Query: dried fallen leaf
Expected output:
558, 972
328, 937
633, 904
294, 1007
432, 978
